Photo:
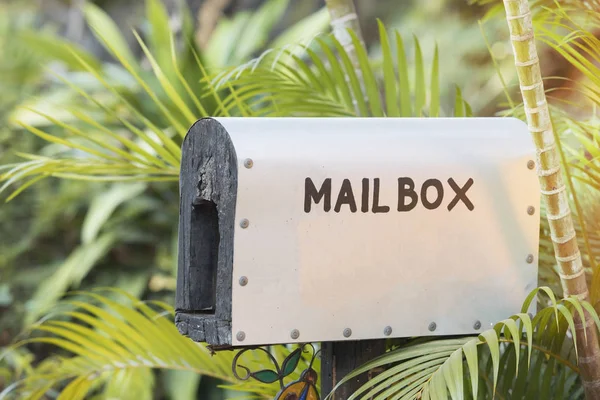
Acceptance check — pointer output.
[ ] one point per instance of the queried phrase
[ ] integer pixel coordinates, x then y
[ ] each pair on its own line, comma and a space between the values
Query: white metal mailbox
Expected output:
326, 229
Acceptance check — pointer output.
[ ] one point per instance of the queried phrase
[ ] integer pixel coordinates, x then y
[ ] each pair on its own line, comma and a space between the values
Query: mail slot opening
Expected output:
204, 255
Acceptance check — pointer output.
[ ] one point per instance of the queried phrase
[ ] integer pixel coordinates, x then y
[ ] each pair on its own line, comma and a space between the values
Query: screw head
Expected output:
531, 164
243, 281
240, 336
432, 326
244, 223
295, 334
387, 331
347, 332
531, 210
248, 163
477, 325
529, 258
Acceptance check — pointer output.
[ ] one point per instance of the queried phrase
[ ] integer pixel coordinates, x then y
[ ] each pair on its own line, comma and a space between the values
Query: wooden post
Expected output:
340, 358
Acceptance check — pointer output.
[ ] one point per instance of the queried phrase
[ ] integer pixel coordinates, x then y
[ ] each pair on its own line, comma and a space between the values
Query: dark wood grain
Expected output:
340, 358
208, 191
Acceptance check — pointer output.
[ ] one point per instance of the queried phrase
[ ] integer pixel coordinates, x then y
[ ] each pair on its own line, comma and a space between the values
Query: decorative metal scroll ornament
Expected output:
304, 388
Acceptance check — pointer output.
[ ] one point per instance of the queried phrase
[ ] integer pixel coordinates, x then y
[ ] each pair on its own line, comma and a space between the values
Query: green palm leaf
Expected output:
111, 346
512, 357
285, 83
144, 144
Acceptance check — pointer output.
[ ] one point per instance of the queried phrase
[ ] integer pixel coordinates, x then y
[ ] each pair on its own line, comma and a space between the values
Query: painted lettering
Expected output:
376, 207
406, 188
461, 194
346, 196
312, 194
430, 194
434, 183
364, 207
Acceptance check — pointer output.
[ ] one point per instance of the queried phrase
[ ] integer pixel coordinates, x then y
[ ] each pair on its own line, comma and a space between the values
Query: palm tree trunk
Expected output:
553, 188
209, 14
343, 17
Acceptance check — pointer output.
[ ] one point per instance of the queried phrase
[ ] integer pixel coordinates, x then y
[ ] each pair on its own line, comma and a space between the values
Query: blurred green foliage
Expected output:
114, 106
65, 235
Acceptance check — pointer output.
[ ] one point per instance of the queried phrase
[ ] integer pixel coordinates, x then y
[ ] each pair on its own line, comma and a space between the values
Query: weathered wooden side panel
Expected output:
208, 191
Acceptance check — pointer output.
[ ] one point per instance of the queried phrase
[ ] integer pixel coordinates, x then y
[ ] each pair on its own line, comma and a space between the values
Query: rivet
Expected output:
347, 332
432, 326
244, 223
530, 210
248, 163
240, 336
387, 331
295, 334
477, 325
243, 281
529, 258
531, 164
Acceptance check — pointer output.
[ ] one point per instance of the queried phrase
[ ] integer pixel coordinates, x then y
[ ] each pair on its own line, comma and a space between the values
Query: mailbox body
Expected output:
307, 230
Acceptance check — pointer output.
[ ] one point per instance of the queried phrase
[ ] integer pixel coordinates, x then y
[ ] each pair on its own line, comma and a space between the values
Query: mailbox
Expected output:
328, 229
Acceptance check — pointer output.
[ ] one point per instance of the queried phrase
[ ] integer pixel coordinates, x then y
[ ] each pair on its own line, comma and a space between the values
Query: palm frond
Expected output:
129, 143
236, 39
539, 8
53, 48
303, 30
520, 354
102, 343
319, 79
575, 42
68, 274
118, 146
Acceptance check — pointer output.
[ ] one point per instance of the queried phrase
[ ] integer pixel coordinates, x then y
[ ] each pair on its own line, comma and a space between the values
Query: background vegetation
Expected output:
101, 93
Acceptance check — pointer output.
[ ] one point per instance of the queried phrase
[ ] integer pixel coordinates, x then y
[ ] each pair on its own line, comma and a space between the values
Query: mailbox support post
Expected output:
338, 359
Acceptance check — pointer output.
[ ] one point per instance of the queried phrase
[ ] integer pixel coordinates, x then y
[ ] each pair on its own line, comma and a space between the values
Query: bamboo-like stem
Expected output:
208, 16
554, 191
343, 17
